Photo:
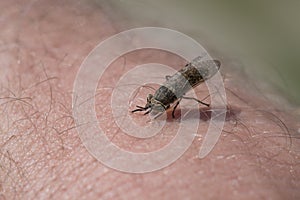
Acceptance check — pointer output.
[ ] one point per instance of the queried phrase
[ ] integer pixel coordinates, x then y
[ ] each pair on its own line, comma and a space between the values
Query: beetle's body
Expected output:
175, 87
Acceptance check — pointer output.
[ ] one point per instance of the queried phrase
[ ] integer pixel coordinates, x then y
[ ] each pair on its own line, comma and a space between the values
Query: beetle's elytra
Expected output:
175, 86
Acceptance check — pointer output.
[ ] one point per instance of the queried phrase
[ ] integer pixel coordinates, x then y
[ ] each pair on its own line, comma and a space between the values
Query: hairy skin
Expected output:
41, 156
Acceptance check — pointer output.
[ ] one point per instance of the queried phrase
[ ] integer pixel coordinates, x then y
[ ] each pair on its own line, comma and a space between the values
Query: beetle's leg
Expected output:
148, 111
177, 103
192, 98
140, 108
137, 110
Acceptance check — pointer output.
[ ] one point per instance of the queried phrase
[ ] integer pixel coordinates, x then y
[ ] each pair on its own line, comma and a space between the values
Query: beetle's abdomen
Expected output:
188, 77
192, 75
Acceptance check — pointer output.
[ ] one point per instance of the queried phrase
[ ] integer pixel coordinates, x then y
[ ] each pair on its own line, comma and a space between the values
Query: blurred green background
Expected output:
263, 34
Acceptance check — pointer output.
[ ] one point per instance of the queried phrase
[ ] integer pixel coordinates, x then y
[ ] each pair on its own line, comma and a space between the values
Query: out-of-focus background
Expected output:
262, 34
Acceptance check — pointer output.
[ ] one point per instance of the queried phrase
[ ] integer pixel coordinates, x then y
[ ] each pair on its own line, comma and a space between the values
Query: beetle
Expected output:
175, 86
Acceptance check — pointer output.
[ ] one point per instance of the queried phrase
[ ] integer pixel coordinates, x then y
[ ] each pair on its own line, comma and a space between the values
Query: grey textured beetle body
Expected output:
175, 87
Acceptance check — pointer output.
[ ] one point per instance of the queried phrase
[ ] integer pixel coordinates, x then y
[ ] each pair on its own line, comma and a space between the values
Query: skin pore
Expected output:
43, 44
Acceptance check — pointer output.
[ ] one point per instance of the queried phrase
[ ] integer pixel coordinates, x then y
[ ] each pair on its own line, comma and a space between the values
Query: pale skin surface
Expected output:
42, 157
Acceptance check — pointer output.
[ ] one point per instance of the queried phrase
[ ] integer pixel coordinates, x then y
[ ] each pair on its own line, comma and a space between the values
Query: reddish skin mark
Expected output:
42, 155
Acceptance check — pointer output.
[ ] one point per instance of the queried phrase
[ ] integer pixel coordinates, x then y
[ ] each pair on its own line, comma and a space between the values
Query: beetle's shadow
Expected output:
205, 114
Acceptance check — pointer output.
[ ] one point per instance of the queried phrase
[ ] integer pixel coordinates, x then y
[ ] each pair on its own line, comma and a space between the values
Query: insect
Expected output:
175, 86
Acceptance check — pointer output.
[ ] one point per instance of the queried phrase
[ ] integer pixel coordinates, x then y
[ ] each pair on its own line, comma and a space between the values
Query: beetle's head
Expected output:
156, 106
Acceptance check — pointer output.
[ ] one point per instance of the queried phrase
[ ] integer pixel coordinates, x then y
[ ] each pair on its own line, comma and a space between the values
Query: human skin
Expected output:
42, 157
